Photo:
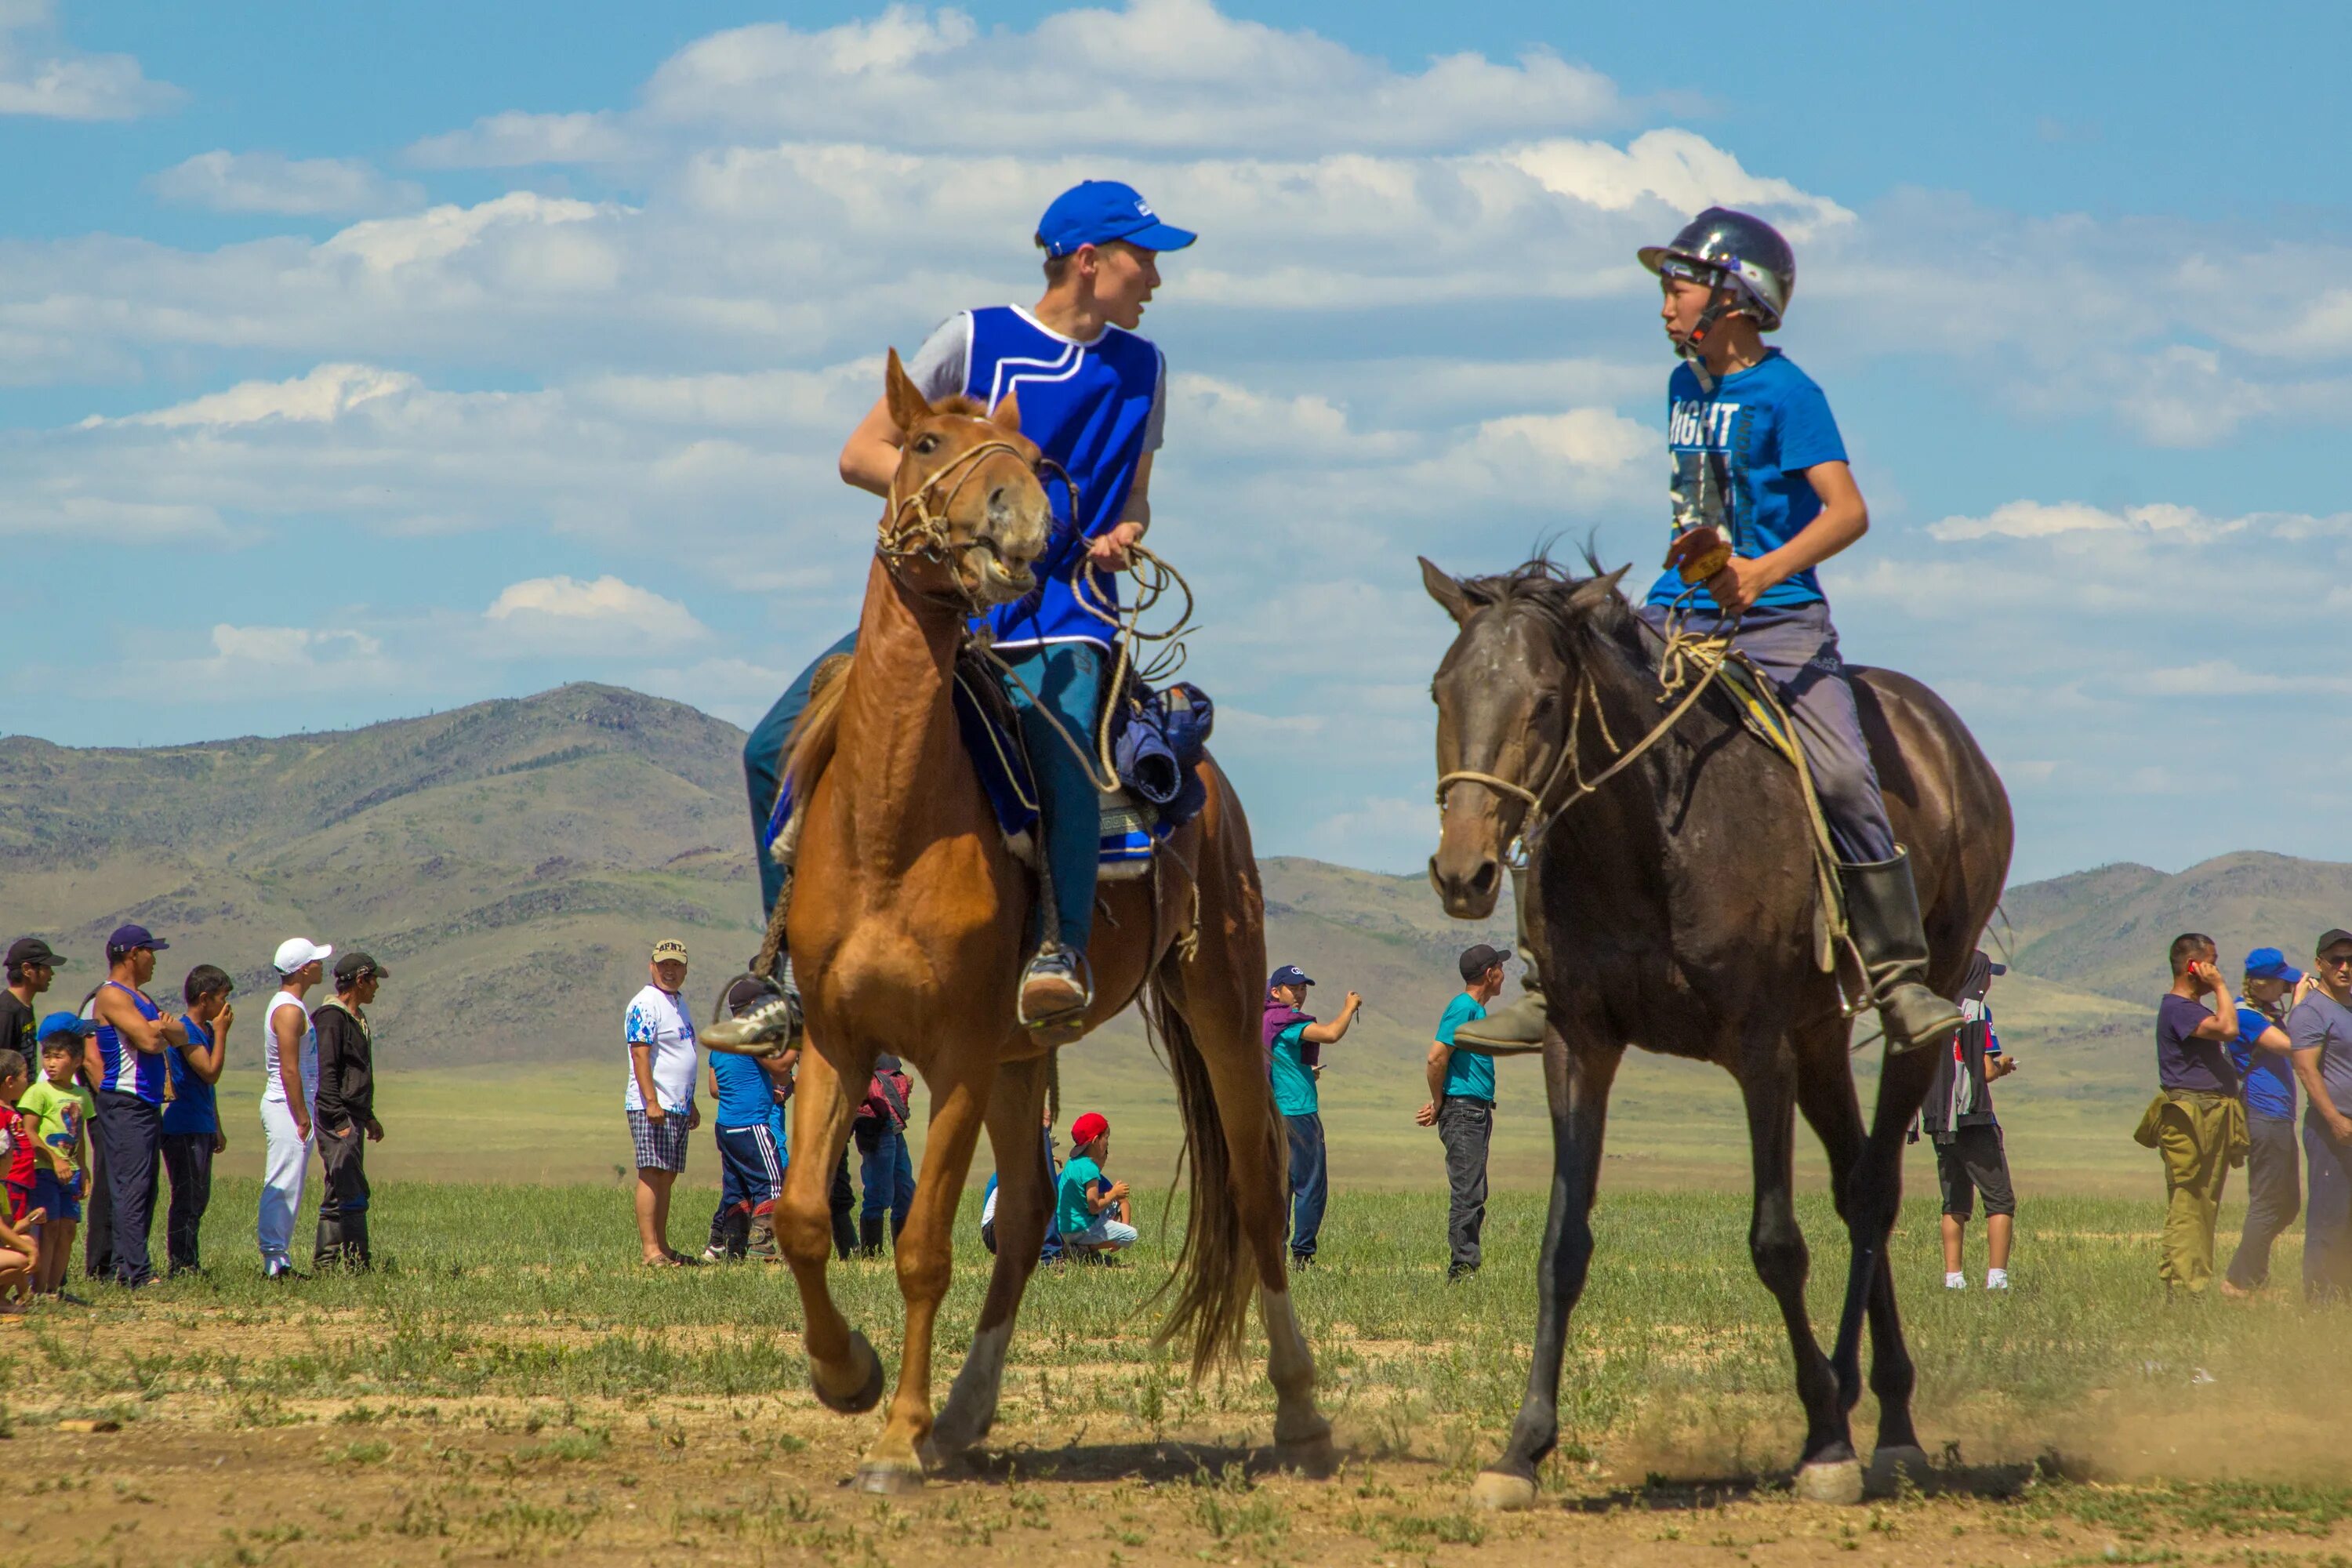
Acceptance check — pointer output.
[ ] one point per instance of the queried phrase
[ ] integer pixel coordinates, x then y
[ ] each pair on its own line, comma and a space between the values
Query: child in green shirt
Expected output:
1090, 1211
60, 1111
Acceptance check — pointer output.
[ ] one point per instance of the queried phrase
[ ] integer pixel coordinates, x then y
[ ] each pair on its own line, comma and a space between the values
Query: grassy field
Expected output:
507, 1385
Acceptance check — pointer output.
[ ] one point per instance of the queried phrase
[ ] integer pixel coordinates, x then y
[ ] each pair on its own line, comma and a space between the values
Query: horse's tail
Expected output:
1214, 1278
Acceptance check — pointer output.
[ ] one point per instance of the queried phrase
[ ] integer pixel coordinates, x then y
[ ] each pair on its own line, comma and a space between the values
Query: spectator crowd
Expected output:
104, 1104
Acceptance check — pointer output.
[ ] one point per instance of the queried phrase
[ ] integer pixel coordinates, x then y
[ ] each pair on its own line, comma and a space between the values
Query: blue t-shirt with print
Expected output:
1740, 453
2269, 1075
1294, 1082
1468, 1075
745, 1098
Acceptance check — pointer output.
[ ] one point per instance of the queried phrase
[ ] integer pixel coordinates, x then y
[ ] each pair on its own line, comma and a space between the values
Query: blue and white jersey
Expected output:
1740, 453
127, 1069
657, 1020
1094, 408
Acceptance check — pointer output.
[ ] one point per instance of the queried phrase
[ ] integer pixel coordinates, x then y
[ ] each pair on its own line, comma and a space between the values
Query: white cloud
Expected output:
273, 182
548, 613
319, 397
2038, 519
41, 76
513, 139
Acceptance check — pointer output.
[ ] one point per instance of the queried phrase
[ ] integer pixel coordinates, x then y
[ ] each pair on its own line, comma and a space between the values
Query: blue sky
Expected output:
359, 362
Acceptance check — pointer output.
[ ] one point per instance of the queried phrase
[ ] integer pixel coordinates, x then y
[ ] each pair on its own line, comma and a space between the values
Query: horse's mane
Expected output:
1544, 588
810, 745
958, 404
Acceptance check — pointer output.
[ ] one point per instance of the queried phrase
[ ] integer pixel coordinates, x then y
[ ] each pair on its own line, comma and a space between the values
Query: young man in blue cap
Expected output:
2264, 1059
1294, 1060
130, 1042
1092, 396
1761, 495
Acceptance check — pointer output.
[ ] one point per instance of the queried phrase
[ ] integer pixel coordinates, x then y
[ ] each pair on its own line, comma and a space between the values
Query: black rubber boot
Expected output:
357, 1258
1519, 1026
1881, 910
327, 1254
869, 1235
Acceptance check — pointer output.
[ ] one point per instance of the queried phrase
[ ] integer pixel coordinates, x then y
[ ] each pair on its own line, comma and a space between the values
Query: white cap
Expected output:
296, 951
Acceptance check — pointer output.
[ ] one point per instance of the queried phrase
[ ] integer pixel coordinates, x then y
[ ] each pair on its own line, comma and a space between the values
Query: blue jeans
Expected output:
1798, 647
888, 1171
1068, 678
1309, 1182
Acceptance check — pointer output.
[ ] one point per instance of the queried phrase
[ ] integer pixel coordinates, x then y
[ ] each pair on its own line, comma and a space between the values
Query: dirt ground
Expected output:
767, 1480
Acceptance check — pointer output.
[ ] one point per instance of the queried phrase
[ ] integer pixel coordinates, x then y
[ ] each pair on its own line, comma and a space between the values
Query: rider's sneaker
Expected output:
1054, 992
775, 1021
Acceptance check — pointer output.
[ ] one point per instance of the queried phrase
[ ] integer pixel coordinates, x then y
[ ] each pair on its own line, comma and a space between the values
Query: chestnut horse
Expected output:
1677, 897
907, 927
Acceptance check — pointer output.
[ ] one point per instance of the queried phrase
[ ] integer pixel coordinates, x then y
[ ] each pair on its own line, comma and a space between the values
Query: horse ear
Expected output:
907, 407
1445, 589
1006, 415
1592, 590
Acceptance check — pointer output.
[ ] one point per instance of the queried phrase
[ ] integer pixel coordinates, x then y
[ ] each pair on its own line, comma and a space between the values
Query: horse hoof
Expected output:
890, 1477
947, 1464
869, 1393
1310, 1457
1889, 1465
1499, 1492
1839, 1482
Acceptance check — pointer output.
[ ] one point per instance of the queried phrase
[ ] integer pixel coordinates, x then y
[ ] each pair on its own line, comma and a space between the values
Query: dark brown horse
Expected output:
1679, 908
905, 927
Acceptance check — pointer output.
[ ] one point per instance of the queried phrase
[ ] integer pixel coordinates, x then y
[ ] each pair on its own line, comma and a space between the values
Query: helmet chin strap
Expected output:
1693, 347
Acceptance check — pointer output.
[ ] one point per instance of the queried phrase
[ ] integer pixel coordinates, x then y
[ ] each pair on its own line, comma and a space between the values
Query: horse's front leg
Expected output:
843, 1368
1577, 1080
1023, 1204
958, 1090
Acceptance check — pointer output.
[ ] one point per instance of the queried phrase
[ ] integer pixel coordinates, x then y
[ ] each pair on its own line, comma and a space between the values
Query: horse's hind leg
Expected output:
1023, 1200
959, 1088
1828, 1471
1577, 1081
843, 1367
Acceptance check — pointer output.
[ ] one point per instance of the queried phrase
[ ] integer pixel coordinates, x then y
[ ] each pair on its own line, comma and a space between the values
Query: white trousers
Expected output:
287, 1164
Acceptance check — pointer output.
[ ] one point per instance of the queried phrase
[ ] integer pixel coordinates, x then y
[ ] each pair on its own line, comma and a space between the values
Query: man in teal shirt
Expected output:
1461, 1107
1294, 1052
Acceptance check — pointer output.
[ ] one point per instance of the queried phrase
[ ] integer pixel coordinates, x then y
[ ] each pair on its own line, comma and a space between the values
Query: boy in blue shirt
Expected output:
1761, 496
750, 1148
2263, 1055
1092, 396
1294, 1061
192, 1129
1089, 1209
1461, 1107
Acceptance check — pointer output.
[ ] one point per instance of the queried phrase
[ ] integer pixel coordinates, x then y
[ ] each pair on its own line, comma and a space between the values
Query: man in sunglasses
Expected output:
30, 965
2319, 1031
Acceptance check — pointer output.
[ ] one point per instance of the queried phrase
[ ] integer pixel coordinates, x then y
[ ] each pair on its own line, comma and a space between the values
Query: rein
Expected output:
928, 535
1688, 661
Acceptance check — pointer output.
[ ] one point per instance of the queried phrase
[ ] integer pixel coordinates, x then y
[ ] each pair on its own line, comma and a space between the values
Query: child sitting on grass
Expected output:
59, 1110
1089, 1209
20, 1255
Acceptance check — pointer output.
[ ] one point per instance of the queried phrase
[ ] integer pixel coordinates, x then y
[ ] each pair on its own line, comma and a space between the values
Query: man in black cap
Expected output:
344, 1113
1971, 1159
1461, 1107
30, 963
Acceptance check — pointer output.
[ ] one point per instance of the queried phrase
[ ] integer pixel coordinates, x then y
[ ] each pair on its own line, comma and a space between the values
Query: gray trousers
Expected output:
2273, 1197
1466, 1127
1798, 649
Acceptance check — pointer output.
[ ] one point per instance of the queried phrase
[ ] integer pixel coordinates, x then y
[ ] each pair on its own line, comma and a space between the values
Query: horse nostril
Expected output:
996, 500
1482, 882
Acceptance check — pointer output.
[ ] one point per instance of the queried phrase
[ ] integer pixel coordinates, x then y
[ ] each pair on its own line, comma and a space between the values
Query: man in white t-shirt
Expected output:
289, 1084
660, 1097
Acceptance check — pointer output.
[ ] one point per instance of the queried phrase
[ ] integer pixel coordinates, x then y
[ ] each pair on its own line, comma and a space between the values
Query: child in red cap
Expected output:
1090, 1211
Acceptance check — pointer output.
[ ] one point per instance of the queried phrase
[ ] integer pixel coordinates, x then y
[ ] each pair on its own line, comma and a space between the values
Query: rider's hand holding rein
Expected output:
1843, 519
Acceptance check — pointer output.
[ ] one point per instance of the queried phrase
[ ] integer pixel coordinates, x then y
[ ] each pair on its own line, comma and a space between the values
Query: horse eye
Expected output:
925, 446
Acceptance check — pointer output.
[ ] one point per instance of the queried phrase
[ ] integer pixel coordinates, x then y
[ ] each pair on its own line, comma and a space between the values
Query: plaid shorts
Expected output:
661, 1146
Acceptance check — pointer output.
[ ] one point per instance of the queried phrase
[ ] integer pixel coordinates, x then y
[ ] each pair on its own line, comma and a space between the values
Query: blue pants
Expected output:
1309, 1182
751, 1165
889, 1172
2326, 1215
131, 1132
1798, 649
1068, 678
763, 768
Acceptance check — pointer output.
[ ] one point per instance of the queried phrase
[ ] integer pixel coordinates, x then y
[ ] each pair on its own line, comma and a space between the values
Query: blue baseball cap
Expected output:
1289, 974
1096, 212
130, 939
65, 1024
2269, 964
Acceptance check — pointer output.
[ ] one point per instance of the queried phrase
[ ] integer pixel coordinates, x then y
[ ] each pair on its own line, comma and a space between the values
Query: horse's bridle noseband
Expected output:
927, 535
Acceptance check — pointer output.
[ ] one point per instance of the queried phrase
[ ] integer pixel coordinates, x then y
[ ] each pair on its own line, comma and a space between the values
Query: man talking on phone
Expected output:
2197, 1122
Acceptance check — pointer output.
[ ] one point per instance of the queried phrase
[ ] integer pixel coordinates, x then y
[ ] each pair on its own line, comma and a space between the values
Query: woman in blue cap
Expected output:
1092, 396
2263, 1055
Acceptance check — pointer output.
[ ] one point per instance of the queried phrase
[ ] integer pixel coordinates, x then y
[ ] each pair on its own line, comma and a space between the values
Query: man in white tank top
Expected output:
289, 1053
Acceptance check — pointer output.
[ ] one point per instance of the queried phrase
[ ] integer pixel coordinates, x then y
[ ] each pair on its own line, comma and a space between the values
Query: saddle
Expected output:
1157, 738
